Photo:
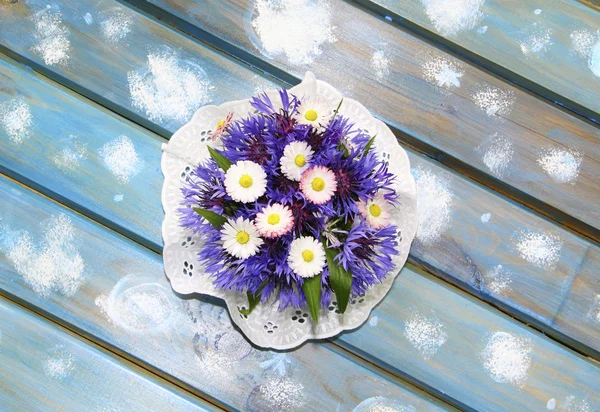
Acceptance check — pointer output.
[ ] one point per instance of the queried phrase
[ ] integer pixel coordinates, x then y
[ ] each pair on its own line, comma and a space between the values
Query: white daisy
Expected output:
376, 211
240, 238
295, 160
318, 184
245, 181
274, 220
314, 111
307, 257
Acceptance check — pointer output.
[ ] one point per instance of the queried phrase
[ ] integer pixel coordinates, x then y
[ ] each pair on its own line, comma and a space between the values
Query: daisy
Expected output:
376, 211
295, 160
274, 220
240, 238
314, 111
245, 181
318, 184
221, 127
307, 257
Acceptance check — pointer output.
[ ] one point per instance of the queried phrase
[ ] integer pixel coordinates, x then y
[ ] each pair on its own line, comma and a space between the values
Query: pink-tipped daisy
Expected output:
274, 221
376, 211
318, 184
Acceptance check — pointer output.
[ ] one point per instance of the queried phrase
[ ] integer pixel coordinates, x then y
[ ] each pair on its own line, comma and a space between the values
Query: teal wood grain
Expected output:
115, 290
126, 59
507, 33
442, 338
477, 239
485, 123
45, 368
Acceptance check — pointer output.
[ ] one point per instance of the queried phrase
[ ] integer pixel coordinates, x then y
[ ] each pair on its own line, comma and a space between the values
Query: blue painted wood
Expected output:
433, 333
45, 368
549, 44
462, 246
94, 280
405, 73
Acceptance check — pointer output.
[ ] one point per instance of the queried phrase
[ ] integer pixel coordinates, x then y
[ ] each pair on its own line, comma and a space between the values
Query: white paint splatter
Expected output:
118, 198
594, 60
373, 321
486, 217
574, 404
380, 63
383, 404
594, 312
497, 153
562, 165
551, 404
434, 201
279, 362
16, 119
536, 40
116, 27
498, 280
169, 88
59, 365
482, 29
494, 101
583, 41
69, 159
140, 308
442, 72
296, 29
452, 16
52, 37
540, 248
507, 358
55, 265
88, 19
425, 333
121, 159
277, 394
538, 11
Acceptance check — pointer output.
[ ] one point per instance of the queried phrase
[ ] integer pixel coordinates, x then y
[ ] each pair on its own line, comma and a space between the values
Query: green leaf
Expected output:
340, 279
369, 144
312, 291
254, 299
223, 162
338, 108
211, 217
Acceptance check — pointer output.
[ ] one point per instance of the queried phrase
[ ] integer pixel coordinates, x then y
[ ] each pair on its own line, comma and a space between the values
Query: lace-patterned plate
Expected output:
266, 326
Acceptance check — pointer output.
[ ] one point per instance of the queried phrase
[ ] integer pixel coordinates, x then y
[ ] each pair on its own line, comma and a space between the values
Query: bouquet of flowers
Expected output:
293, 205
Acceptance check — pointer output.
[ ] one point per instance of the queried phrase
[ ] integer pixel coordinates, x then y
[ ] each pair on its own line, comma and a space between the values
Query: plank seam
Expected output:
543, 93
280, 76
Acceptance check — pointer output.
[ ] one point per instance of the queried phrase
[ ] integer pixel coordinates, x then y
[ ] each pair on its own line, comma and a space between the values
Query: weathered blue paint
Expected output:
45, 368
123, 298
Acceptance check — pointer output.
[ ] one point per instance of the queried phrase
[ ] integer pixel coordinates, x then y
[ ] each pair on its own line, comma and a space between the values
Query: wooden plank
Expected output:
429, 332
472, 237
501, 134
94, 280
45, 368
547, 46
123, 59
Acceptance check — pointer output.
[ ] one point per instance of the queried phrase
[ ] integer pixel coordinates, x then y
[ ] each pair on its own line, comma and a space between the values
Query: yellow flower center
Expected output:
300, 160
221, 123
273, 219
318, 184
242, 238
311, 115
308, 255
246, 181
375, 210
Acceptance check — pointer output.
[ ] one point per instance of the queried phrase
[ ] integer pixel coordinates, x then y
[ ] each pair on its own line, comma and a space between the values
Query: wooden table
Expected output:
497, 104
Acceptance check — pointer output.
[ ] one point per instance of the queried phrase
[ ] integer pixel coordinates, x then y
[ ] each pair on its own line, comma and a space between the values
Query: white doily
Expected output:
266, 326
